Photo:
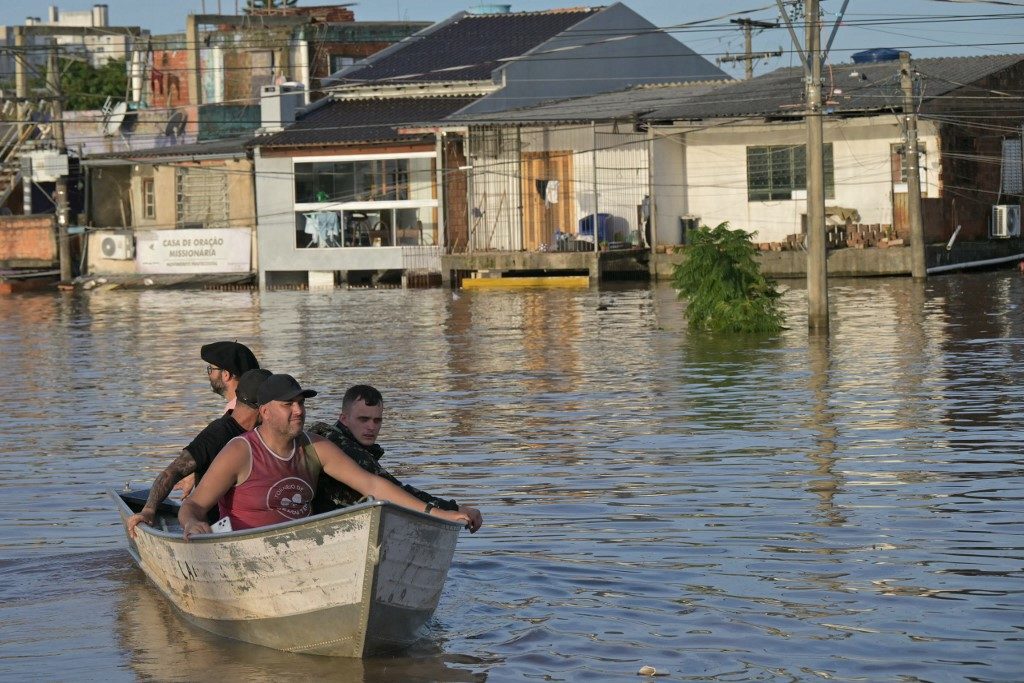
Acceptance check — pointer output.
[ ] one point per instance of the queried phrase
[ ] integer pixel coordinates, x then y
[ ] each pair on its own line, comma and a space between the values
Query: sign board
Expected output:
208, 250
48, 165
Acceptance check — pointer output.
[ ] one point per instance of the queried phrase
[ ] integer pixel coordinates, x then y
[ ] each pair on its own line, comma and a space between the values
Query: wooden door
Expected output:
540, 218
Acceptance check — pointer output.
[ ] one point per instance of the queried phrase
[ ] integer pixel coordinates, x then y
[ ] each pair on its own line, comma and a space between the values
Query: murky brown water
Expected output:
726, 510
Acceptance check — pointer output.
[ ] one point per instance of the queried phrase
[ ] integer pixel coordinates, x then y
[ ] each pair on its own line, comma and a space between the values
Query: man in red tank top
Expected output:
262, 477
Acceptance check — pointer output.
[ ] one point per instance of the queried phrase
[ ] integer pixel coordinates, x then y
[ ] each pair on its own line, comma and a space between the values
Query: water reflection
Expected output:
163, 646
721, 509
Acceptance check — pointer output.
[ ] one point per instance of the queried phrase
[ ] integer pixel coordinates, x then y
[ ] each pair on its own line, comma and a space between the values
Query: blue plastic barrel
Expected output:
603, 226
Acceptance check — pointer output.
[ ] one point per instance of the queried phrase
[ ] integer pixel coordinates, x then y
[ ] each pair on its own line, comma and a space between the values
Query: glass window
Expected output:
148, 198
774, 172
373, 180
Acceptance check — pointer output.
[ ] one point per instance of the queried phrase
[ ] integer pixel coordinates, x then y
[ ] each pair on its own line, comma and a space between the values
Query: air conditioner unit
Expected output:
120, 247
1005, 221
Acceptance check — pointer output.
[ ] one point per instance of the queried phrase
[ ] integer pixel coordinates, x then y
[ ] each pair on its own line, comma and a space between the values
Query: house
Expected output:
737, 153
370, 183
597, 151
179, 209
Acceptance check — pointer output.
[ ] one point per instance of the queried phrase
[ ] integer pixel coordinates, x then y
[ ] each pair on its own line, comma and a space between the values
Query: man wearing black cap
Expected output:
196, 457
227, 361
268, 475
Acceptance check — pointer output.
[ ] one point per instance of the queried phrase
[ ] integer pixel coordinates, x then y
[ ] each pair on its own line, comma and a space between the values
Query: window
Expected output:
148, 198
372, 180
339, 62
202, 196
774, 172
366, 228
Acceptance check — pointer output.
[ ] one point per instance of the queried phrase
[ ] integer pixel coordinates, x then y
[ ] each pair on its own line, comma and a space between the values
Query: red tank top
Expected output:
278, 489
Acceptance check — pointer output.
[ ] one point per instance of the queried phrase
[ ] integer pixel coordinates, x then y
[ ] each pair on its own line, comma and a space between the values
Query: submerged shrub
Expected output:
723, 284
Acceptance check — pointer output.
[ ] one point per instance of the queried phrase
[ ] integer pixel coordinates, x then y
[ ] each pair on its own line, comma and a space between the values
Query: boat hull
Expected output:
354, 582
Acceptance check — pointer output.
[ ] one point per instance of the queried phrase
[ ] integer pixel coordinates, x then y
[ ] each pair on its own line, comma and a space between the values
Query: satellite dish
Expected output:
112, 121
176, 124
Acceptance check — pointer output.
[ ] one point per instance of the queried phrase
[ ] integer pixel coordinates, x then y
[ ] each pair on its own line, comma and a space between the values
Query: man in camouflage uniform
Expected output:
355, 433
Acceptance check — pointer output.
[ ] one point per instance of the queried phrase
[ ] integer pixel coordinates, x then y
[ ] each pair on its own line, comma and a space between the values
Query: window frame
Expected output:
784, 171
149, 198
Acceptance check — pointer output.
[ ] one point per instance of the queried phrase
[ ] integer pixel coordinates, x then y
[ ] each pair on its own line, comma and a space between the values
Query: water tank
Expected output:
878, 54
490, 9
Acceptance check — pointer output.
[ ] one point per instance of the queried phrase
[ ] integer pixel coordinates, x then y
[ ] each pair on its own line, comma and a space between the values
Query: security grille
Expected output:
202, 197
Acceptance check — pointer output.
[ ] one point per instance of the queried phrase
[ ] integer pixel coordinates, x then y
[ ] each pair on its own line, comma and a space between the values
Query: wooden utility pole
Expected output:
817, 278
912, 166
748, 56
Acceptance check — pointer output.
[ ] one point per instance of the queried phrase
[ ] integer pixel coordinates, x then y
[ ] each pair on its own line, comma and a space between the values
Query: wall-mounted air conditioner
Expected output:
120, 247
1005, 221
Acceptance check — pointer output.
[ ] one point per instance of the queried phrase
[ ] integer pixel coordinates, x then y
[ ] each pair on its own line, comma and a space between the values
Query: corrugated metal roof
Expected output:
224, 148
848, 88
622, 104
467, 48
364, 120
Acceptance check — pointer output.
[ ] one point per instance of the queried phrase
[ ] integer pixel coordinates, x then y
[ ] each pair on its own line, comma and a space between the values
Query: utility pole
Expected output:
817, 277
61, 192
748, 55
910, 158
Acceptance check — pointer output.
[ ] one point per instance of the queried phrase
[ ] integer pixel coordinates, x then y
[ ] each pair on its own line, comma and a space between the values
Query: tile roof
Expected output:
467, 47
848, 88
363, 120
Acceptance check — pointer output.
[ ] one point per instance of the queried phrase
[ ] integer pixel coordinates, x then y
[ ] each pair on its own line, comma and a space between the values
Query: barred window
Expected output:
774, 172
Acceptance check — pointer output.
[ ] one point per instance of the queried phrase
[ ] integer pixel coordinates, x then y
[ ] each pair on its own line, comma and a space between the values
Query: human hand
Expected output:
186, 485
190, 529
457, 516
146, 517
476, 520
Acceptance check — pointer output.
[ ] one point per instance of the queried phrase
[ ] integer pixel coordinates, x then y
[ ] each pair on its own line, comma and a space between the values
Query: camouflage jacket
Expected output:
331, 494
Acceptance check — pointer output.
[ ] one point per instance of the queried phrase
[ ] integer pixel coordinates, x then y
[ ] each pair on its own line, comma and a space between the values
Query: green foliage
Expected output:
86, 87
722, 282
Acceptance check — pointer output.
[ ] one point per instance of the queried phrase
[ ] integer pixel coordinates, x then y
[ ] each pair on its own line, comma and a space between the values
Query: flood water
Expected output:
779, 509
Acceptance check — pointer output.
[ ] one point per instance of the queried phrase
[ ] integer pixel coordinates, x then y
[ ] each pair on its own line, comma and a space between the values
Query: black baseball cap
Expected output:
231, 356
249, 385
281, 388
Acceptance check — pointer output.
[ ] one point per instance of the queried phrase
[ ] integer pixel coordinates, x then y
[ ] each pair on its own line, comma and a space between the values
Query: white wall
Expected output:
714, 183
275, 226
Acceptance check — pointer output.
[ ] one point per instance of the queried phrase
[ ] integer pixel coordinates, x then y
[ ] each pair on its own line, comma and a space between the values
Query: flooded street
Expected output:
776, 509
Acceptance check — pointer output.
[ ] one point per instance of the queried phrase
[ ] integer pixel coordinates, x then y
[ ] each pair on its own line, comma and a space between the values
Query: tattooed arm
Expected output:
182, 466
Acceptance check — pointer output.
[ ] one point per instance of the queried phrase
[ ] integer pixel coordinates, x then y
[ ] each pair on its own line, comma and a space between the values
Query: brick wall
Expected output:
28, 241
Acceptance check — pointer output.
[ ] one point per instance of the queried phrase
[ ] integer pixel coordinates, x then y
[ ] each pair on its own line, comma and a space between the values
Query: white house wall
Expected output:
668, 186
275, 211
622, 181
713, 185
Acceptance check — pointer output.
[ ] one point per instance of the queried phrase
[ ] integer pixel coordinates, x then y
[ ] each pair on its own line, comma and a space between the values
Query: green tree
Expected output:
86, 87
722, 282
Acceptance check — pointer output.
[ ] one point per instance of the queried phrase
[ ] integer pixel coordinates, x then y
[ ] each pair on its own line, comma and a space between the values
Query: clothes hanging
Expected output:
551, 192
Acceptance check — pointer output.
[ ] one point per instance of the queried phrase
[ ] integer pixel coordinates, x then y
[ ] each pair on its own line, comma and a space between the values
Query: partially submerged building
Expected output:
370, 182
